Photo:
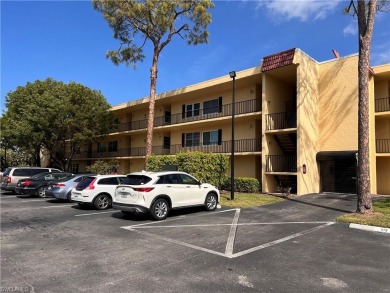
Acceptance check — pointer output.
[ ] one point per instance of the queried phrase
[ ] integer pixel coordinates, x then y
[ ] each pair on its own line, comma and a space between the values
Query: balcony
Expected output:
280, 163
240, 146
244, 107
383, 145
382, 105
282, 120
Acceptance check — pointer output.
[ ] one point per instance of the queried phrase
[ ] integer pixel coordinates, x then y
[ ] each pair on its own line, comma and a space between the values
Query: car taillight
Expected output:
143, 189
27, 182
58, 185
8, 179
91, 185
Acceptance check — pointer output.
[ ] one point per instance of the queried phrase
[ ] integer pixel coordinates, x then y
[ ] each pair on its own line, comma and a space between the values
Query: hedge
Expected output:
243, 184
207, 167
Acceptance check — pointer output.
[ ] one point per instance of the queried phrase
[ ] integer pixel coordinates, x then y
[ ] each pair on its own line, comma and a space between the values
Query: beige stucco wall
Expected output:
307, 124
275, 93
382, 89
383, 175
382, 128
245, 166
338, 104
372, 136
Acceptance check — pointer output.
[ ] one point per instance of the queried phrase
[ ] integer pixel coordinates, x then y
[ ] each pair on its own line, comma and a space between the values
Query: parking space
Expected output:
52, 246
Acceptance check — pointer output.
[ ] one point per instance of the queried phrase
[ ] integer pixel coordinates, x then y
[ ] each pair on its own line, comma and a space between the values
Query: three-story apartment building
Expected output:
295, 124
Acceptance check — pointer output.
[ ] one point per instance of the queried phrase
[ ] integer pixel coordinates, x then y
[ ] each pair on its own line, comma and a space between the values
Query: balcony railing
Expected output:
240, 146
383, 145
244, 107
280, 163
382, 105
281, 120
243, 145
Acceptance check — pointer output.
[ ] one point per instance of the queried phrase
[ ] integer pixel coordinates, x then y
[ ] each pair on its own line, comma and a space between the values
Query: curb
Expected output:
370, 228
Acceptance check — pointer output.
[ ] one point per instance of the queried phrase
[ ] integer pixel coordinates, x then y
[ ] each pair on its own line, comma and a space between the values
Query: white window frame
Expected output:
210, 131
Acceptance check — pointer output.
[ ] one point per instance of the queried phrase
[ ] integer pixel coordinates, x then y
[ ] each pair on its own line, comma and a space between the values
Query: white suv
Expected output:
96, 190
158, 192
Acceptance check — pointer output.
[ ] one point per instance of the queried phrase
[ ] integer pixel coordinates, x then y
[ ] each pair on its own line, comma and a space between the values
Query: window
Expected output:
21, 172
38, 171
117, 123
167, 143
136, 180
108, 181
188, 179
212, 106
191, 110
101, 147
212, 137
113, 146
191, 139
75, 168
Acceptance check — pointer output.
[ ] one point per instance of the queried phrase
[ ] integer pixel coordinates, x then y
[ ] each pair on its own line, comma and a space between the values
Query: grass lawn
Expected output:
380, 217
247, 200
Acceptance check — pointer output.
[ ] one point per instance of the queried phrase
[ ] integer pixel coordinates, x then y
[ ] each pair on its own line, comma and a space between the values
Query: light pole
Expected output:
232, 75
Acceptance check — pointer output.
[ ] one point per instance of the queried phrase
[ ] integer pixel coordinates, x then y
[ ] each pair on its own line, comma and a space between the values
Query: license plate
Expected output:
123, 194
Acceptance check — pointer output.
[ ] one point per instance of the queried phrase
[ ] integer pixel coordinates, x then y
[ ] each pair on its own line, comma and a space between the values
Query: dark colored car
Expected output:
37, 184
12, 175
62, 189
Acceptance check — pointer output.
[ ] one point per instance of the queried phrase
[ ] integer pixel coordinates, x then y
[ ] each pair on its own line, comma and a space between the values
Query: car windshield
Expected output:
85, 182
136, 180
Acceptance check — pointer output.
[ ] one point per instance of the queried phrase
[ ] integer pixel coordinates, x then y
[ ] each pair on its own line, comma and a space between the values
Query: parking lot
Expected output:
291, 246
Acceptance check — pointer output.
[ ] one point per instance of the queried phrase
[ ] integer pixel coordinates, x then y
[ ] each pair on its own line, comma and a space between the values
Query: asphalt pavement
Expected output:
290, 246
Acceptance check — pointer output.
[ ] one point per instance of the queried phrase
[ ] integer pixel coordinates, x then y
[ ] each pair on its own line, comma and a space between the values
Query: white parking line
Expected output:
279, 240
173, 219
232, 234
8, 197
90, 214
178, 242
216, 225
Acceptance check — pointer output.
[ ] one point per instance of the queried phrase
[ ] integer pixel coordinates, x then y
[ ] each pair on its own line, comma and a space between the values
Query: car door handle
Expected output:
188, 186
169, 186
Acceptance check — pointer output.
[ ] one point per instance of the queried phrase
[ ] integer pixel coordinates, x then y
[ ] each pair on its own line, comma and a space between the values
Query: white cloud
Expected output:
380, 54
302, 10
351, 29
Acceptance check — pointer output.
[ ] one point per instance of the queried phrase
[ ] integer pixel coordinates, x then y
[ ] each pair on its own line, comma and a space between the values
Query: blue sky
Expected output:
67, 41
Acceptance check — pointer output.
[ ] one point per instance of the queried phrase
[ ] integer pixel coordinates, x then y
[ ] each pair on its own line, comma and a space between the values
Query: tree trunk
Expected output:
152, 98
37, 156
366, 17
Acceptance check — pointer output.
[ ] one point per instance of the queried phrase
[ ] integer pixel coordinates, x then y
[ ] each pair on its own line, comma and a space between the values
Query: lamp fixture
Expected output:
232, 74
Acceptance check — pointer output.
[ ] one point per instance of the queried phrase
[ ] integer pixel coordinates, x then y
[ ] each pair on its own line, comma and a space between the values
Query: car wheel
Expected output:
102, 202
41, 192
68, 196
159, 210
211, 202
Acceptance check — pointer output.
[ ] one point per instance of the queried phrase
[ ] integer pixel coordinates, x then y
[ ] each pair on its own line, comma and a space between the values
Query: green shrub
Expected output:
243, 184
157, 163
103, 167
207, 167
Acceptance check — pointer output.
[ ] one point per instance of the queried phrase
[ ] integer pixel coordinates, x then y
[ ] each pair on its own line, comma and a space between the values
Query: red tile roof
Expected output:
278, 60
